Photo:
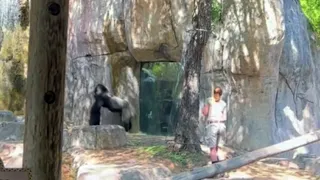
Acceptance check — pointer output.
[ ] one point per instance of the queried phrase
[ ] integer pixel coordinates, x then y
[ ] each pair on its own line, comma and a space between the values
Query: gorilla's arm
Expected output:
95, 113
114, 104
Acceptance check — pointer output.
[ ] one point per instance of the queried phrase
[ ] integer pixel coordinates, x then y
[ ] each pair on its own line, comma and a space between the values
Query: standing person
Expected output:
215, 112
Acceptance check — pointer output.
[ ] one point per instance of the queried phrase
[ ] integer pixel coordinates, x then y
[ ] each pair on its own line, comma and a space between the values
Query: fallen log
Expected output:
248, 158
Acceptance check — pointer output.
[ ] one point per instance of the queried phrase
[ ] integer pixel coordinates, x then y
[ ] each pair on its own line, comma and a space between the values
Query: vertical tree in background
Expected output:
45, 88
187, 125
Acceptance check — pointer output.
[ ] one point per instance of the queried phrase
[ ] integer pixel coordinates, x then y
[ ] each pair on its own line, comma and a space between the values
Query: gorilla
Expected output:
115, 104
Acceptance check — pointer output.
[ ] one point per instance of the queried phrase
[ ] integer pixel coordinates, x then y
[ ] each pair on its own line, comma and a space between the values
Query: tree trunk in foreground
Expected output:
45, 88
250, 157
185, 135
1, 164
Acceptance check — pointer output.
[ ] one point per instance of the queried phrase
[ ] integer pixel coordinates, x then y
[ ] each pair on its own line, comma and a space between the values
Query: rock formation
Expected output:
123, 172
107, 41
96, 137
268, 66
264, 57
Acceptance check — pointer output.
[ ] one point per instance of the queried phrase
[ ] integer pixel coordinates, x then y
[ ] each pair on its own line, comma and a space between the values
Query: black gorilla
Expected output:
115, 104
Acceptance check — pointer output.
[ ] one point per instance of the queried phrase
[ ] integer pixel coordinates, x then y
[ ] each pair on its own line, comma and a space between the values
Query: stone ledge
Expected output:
96, 137
123, 172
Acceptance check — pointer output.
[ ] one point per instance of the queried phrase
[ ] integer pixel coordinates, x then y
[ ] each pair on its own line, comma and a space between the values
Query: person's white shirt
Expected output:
217, 111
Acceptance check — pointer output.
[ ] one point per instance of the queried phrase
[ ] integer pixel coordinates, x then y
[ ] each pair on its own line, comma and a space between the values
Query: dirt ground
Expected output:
141, 151
146, 150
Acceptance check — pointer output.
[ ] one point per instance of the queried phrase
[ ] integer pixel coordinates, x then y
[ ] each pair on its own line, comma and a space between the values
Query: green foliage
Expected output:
165, 70
15, 45
180, 158
216, 12
13, 58
24, 14
311, 9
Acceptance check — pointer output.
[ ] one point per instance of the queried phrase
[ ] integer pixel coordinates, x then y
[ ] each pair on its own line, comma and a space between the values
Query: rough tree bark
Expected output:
185, 135
1, 164
45, 88
248, 158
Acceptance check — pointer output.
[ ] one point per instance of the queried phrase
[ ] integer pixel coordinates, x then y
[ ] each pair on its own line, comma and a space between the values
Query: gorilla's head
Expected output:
100, 89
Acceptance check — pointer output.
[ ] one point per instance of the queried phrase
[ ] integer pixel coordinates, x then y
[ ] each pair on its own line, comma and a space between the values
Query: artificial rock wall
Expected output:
263, 57
268, 64
107, 41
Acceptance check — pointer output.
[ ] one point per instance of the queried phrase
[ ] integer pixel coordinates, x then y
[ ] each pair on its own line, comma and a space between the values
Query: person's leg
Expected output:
213, 155
214, 147
217, 147
223, 134
211, 141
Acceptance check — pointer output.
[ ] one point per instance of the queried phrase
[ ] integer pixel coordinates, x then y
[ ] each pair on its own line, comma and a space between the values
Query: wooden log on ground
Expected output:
45, 88
237, 162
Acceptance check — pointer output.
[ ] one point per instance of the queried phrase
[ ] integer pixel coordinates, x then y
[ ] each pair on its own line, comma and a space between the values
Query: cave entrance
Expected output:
160, 89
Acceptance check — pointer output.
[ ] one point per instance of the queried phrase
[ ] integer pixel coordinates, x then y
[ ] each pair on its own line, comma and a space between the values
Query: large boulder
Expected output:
98, 137
122, 172
6, 116
11, 131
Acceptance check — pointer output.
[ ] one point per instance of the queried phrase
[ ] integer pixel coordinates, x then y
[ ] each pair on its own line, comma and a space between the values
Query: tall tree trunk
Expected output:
187, 125
45, 88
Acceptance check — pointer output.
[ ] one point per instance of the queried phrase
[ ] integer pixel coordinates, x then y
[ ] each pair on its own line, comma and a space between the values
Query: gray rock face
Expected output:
11, 131
87, 32
246, 67
266, 64
11, 127
118, 35
268, 68
97, 137
126, 74
122, 172
297, 94
6, 116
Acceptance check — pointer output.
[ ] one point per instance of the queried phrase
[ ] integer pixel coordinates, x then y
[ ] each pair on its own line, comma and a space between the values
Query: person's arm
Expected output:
206, 107
205, 110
